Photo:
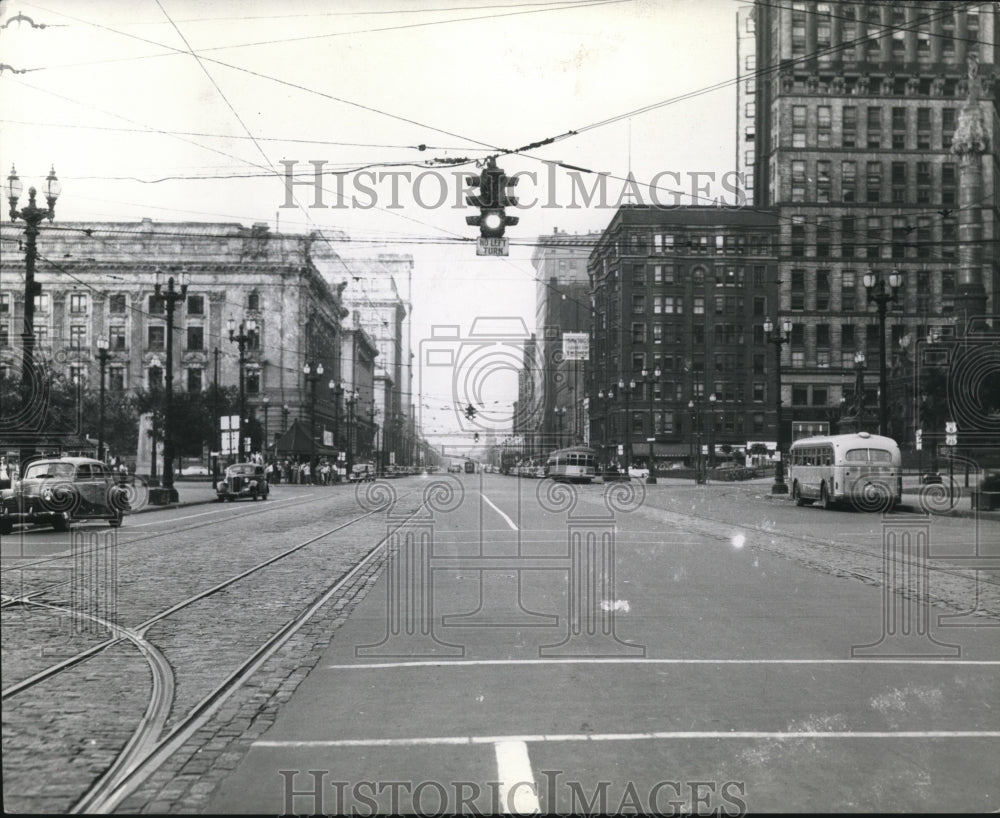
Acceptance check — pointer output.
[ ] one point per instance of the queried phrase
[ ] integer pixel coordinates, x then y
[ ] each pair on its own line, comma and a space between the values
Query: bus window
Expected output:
880, 456
856, 456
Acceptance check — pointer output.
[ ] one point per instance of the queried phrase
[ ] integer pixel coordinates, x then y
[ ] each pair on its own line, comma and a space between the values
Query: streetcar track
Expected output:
125, 775
8, 600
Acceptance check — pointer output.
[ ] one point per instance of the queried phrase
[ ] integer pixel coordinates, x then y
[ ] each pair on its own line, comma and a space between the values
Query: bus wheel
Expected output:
797, 495
824, 498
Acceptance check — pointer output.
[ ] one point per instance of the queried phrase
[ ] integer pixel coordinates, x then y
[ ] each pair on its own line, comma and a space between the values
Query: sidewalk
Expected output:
911, 494
201, 492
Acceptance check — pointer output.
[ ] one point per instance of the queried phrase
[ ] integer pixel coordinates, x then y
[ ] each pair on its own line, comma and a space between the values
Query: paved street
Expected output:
710, 646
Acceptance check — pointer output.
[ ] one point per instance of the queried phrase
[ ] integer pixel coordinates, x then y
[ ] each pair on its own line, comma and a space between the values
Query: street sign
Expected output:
950, 427
488, 246
920, 439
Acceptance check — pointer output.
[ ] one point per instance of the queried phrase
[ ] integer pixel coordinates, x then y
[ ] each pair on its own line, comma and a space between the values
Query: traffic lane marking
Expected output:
760, 698
502, 514
659, 735
517, 782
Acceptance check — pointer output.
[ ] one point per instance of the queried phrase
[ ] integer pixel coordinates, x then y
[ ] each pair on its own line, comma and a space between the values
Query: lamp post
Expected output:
284, 418
605, 427
313, 376
154, 384
560, 413
778, 338
859, 388
351, 398
32, 216
265, 403
336, 389
627, 391
695, 406
876, 286
102, 360
241, 338
171, 297
650, 379
711, 430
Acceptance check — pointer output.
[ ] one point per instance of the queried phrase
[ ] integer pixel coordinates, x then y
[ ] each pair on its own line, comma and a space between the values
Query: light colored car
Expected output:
59, 491
362, 473
243, 480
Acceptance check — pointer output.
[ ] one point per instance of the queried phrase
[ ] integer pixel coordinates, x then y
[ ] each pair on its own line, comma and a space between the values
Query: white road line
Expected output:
683, 735
873, 660
518, 795
507, 519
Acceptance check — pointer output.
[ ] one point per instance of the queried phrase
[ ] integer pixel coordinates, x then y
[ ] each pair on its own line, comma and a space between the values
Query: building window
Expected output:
116, 337
154, 377
873, 179
798, 246
923, 129
116, 378
4, 303
800, 395
798, 180
117, 304
4, 334
759, 391
847, 290
638, 333
78, 336
900, 232
77, 302
847, 236
798, 126
899, 182
798, 290
848, 181
657, 304
657, 333
194, 375
253, 380
923, 182
156, 305
849, 127
823, 126
639, 275
195, 337
947, 127
195, 305
638, 304
822, 236
948, 183
822, 289
924, 237
42, 302
253, 302
156, 337
874, 246
699, 305
874, 126
823, 181
899, 129
41, 333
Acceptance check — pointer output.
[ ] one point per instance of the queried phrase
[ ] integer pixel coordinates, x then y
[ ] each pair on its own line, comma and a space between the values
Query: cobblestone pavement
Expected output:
60, 735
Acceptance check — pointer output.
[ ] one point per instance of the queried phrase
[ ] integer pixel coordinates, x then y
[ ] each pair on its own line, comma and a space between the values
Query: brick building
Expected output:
684, 291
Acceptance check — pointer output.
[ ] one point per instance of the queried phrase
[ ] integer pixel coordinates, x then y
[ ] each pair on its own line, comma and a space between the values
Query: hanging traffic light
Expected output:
491, 201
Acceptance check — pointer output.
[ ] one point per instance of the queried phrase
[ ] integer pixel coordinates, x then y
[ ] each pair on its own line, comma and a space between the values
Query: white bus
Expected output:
862, 468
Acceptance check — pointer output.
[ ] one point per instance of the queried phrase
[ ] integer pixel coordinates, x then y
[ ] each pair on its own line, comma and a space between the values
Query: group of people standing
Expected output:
325, 473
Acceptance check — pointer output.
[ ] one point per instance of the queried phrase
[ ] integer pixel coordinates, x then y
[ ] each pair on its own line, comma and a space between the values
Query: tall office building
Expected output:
875, 124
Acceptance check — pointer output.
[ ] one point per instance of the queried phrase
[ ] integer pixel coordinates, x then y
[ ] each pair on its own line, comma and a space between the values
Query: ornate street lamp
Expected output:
627, 390
241, 339
694, 406
650, 379
32, 216
265, 403
606, 424
560, 413
876, 286
313, 376
154, 385
351, 399
102, 360
778, 338
711, 430
171, 298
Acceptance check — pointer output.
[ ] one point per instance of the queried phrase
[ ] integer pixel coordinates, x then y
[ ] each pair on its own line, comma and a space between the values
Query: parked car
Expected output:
243, 480
62, 490
362, 473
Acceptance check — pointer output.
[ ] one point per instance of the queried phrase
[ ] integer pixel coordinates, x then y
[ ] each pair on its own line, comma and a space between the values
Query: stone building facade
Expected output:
857, 106
97, 279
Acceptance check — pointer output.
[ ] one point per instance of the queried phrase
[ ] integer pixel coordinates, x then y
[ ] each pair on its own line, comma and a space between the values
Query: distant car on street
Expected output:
243, 480
195, 471
60, 491
362, 473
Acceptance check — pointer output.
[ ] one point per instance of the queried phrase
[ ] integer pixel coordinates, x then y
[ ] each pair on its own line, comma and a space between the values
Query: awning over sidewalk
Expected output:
296, 441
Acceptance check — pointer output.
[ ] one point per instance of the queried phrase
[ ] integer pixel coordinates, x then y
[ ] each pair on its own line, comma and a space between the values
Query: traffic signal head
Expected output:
491, 201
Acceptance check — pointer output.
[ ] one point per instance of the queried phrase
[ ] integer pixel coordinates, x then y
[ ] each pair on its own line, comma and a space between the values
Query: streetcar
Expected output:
862, 467
576, 464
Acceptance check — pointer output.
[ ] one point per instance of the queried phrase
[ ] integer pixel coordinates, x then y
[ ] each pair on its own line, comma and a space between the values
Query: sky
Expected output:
196, 110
